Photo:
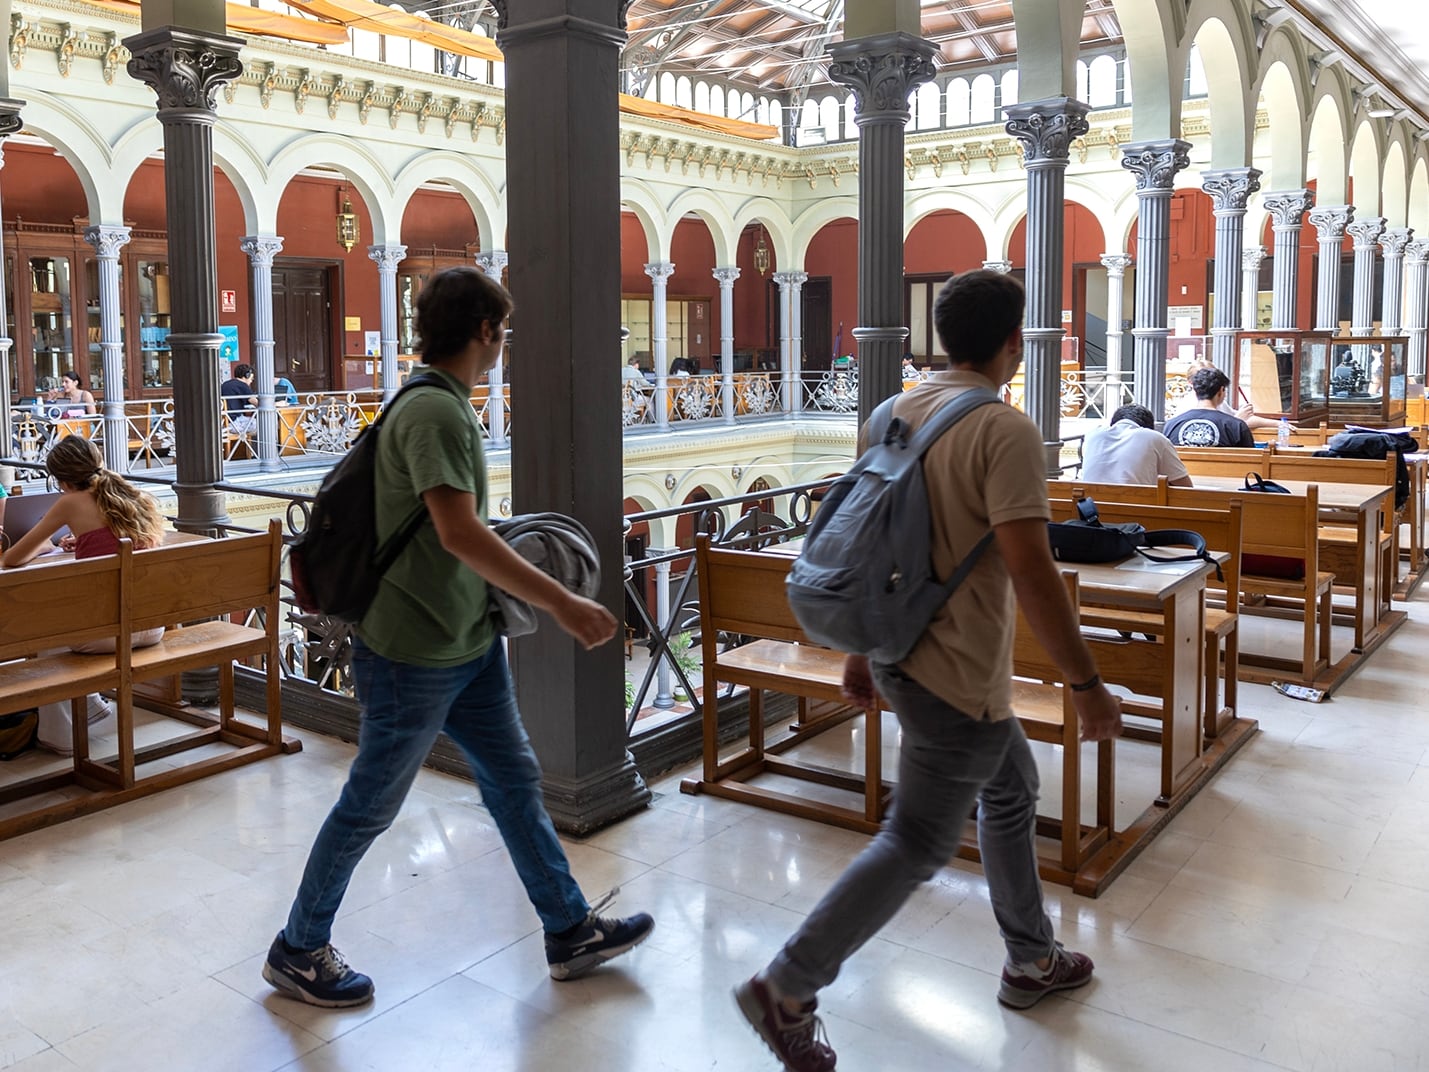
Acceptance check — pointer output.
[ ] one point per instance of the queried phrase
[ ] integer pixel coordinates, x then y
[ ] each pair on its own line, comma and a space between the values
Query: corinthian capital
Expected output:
1116, 264
726, 276
387, 257
10, 121
1366, 232
660, 271
1417, 252
1230, 189
185, 69
1395, 240
492, 262
1047, 128
261, 249
107, 239
1286, 209
882, 71
1155, 163
1331, 220
1251, 258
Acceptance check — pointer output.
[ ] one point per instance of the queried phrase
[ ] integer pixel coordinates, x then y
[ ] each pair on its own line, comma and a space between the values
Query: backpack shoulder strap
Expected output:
425, 379
879, 420
933, 429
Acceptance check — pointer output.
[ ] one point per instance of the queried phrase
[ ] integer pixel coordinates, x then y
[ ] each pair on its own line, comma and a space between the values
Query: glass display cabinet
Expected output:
1283, 374
1369, 380
155, 359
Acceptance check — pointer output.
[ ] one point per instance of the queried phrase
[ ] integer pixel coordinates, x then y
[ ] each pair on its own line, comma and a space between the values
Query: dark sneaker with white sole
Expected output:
1024, 985
598, 939
796, 1038
317, 976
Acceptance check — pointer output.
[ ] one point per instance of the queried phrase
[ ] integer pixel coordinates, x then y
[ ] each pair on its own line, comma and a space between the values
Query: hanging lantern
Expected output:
761, 253
349, 231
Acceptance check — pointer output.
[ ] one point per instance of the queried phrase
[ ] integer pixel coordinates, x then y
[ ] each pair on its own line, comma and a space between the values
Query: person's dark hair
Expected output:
76, 378
242, 372
976, 313
1135, 412
1209, 382
452, 307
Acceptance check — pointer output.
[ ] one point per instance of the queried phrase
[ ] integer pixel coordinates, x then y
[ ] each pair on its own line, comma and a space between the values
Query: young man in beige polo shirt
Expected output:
952, 695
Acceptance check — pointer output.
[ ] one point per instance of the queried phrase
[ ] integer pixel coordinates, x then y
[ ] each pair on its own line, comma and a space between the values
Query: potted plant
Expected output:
682, 650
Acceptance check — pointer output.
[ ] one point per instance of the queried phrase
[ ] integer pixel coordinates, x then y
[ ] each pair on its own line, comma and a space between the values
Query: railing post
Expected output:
660, 273
107, 241
261, 250
493, 263
726, 278
387, 258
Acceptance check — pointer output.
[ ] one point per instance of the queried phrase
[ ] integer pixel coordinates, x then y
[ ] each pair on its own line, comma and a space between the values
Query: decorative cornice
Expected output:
1366, 232
1230, 189
107, 239
1046, 129
1330, 221
1288, 207
261, 249
183, 68
1155, 163
881, 71
387, 257
1395, 240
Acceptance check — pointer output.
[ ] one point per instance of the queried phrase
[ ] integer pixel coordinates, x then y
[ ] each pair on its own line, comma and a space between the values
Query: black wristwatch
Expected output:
1089, 684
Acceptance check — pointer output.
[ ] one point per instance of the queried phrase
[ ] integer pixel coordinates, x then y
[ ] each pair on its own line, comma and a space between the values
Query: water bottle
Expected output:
1282, 433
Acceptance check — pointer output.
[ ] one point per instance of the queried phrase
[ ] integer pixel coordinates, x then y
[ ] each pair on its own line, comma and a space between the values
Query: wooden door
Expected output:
698, 330
817, 316
302, 339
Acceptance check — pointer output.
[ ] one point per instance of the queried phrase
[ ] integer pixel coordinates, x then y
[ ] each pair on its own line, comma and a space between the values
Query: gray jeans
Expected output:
946, 762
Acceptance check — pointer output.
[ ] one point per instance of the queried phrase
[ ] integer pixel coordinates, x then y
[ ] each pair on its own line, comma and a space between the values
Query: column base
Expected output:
590, 804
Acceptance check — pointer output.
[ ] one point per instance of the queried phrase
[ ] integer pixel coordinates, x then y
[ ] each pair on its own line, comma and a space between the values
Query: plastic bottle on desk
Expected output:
1282, 433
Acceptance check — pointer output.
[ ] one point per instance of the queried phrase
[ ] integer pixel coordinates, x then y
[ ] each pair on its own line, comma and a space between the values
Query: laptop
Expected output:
23, 512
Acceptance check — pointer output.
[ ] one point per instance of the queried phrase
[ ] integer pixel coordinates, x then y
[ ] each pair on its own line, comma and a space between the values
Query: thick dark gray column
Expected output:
493, 263
1393, 242
1286, 211
1230, 191
388, 257
261, 250
1116, 265
1250, 262
185, 68
1046, 129
1330, 222
1366, 234
660, 273
562, 76
1416, 288
107, 241
726, 277
10, 123
1155, 164
881, 70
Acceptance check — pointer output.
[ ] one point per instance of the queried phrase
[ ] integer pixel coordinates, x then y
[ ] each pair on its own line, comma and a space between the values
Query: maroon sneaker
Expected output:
796, 1038
1024, 985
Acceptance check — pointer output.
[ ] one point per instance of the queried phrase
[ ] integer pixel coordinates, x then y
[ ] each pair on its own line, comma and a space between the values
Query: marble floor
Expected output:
1278, 923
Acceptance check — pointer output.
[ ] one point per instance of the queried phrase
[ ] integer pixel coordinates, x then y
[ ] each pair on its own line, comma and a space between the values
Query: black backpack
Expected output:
1367, 443
336, 564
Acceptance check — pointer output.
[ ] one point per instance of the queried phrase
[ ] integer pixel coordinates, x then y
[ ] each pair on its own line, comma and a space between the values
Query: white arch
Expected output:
1155, 66
1365, 157
716, 216
480, 191
1394, 184
358, 164
1217, 30
1282, 89
643, 203
776, 221
1419, 195
816, 217
957, 199
242, 165
82, 147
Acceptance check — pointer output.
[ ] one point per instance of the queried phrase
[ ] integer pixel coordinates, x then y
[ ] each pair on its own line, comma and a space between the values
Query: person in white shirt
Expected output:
1245, 411
1131, 451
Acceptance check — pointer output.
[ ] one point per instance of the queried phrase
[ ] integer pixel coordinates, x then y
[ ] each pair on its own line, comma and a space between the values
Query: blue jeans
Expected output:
947, 761
404, 707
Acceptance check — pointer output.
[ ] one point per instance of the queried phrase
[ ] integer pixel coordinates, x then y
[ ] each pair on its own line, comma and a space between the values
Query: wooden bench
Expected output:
1224, 461
742, 593
193, 588
1221, 529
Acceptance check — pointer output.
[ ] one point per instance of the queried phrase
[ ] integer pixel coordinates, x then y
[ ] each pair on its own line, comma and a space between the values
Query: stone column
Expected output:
1330, 222
796, 339
185, 68
107, 240
1001, 267
660, 273
562, 79
388, 257
1116, 265
726, 278
1416, 322
1046, 129
1250, 262
785, 281
881, 70
1366, 234
1230, 190
1155, 164
493, 263
10, 123
1394, 241
1286, 211
261, 250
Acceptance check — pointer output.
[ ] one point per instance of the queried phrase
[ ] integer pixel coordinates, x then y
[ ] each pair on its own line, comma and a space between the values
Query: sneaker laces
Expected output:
604, 901
330, 962
803, 1031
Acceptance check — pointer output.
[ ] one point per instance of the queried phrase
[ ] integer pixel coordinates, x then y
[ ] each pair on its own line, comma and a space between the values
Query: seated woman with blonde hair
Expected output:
100, 508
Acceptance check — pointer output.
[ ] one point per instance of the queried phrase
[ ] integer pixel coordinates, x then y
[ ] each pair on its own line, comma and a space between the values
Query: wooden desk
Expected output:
1367, 505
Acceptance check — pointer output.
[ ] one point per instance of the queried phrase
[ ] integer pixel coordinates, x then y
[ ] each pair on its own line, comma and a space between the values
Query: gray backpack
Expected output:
864, 582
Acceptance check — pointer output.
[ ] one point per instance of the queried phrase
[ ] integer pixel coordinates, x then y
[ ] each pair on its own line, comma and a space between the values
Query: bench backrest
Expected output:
57, 604
1332, 470
1223, 461
191, 581
1282, 525
743, 592
1072, 490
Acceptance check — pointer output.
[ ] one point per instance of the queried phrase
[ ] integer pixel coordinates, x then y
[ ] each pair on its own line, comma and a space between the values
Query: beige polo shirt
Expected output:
990, 468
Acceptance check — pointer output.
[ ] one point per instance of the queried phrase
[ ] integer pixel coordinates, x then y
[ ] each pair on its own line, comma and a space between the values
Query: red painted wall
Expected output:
944, 243
1083, 243
434, 218
834, 253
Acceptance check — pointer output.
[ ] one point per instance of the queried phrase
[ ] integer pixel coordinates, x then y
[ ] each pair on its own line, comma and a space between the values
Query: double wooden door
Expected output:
302, 325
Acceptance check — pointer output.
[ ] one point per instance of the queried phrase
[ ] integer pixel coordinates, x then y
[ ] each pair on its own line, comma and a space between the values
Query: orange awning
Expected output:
364, 15
717, 123
250, 20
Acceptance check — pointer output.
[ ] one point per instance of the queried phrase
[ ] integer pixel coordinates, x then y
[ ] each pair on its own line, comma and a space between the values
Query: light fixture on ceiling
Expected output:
349, 230
761, 252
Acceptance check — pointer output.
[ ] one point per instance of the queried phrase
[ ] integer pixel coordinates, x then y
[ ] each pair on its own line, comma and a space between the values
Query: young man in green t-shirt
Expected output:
426, 659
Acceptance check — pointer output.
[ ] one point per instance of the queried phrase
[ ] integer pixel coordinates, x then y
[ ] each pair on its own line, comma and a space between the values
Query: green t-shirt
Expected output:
430, 610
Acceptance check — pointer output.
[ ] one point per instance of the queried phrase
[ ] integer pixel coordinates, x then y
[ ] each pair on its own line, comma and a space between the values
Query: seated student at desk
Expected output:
1206, 424
74, 400
100, 508
1131, 451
